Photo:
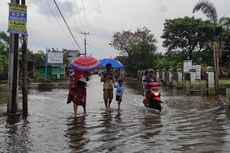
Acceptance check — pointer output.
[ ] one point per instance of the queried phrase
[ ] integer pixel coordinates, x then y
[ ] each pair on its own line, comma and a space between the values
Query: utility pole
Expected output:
13, 71
24, 72
85, 33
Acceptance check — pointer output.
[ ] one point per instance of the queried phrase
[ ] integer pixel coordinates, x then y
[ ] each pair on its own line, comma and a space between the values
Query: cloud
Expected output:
161, 7
101, 18
48, 7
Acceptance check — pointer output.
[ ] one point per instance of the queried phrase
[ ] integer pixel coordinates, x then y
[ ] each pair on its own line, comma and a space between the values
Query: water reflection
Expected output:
105, 132
118, 117
76, 133
187, 124
152, 125
17, 135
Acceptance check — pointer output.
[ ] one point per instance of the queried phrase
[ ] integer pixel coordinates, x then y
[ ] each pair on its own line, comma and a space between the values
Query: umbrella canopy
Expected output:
114, 62
84, 63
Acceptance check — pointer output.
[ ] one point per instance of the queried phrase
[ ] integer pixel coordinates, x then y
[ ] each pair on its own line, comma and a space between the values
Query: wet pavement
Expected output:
186, 124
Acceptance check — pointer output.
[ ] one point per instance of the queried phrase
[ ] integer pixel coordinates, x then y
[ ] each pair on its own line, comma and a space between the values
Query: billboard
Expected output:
54, 57
17, 19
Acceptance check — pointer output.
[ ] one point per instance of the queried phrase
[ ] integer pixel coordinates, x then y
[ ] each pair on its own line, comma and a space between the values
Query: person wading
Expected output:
108, 85
77, 90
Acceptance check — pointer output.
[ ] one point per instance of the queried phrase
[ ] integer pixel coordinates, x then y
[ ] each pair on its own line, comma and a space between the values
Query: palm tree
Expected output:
210, 11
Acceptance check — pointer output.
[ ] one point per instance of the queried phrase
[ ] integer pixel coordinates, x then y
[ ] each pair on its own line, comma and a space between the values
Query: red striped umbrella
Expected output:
84, 63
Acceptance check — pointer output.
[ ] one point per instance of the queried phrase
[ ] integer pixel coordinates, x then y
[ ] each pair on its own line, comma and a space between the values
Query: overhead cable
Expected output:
51, 10
66, 24
78, 11
84, 12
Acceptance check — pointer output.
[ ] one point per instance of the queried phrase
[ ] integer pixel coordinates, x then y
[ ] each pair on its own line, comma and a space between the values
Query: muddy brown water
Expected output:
186, 124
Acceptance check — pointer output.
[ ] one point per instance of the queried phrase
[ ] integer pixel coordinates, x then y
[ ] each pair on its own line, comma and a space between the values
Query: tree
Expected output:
210, 11
187, 35
168, 61
4, 48
225, 58
38, 57
138, 46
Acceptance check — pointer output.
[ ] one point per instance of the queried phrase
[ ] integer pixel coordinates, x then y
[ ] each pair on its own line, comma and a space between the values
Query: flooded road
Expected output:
186, 124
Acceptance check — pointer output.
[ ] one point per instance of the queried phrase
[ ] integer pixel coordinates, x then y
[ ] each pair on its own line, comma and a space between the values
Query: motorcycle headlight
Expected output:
156, 93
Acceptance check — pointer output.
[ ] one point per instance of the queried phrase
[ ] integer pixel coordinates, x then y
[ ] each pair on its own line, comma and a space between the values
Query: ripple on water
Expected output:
186, 124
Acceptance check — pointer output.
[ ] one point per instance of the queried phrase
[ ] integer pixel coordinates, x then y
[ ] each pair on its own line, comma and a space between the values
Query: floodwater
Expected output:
190, 124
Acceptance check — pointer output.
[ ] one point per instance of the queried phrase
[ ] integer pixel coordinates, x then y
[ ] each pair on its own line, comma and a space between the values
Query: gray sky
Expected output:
101, 18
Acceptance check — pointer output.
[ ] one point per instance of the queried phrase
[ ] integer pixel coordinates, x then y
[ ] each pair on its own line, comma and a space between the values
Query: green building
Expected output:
53, 72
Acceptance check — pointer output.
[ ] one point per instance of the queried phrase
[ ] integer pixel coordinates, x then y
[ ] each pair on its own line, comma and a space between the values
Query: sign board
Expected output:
55, 57
187, 65
198, 71
17, 19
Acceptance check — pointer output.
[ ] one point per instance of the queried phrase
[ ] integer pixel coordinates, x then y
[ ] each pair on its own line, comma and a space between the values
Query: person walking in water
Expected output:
77, 90
119, 93
108, 80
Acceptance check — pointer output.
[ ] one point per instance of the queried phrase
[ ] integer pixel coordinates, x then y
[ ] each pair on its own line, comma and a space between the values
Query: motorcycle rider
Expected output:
148, 78
151, 76
144, 78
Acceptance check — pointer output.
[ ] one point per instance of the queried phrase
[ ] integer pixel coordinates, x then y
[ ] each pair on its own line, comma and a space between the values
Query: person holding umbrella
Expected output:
78, 80
108, 80
77, 90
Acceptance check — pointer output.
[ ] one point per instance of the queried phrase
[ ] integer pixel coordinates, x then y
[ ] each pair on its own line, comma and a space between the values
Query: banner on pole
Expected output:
17, 19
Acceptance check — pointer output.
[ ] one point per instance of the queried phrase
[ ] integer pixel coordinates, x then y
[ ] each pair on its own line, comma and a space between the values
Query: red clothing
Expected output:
77, 89
78, 93
78, 74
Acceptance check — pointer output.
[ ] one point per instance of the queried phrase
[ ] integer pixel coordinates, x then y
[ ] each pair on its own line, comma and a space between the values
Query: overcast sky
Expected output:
101, 18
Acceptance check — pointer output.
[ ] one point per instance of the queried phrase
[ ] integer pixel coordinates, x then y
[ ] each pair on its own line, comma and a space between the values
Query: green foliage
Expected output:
221, 26
4, 43
225, 58
208, 9
168, 61
138, 46
41, 77
187, 35
3, 64
38, 57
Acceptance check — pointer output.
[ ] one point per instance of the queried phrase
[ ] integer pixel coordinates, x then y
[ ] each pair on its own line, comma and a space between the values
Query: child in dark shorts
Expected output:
119, 92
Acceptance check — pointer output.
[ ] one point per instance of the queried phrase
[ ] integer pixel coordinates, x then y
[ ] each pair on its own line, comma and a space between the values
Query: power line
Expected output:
78, 11
52, 12
84, 12
66, 24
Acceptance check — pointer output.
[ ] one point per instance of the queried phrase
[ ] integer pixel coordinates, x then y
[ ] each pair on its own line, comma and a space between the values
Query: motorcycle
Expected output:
152, 95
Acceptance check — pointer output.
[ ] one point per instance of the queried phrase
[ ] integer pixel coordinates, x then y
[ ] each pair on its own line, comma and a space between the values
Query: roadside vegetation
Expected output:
184, 38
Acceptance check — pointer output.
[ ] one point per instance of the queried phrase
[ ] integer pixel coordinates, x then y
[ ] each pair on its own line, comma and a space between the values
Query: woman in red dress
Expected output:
77, 90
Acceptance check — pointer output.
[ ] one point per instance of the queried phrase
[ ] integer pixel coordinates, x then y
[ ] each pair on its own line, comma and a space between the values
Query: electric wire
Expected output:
84, 12
52, 12
66, 24
78, 11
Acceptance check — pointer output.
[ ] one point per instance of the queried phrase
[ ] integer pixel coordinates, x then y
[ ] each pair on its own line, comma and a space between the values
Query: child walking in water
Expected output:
119, 92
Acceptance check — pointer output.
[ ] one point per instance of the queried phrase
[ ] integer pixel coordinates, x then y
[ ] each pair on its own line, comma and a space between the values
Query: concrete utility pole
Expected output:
24, 72
13, 71
85, 33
